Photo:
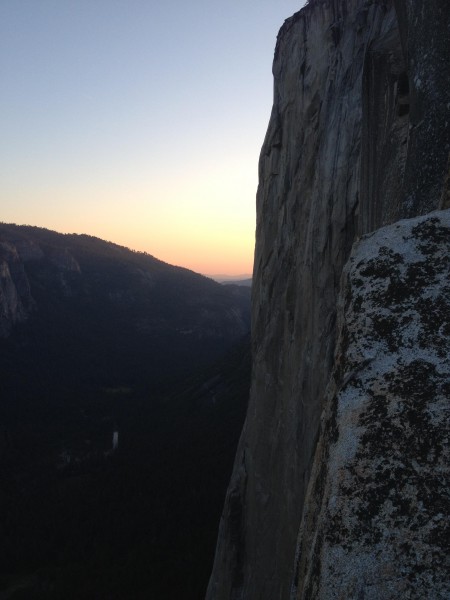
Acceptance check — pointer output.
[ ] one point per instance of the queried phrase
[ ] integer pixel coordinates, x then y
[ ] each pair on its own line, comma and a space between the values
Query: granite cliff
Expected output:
375, 522
358, 138
16, 300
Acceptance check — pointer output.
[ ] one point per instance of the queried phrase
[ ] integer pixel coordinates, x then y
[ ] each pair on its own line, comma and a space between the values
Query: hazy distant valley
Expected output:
99, 343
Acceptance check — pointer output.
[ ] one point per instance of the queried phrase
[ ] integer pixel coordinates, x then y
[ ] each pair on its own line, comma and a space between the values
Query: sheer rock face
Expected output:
376, 514
424, 28
340, 159
308, 212
16, 301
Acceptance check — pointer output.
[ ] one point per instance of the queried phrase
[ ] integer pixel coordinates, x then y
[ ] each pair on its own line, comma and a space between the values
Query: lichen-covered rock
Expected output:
376, 517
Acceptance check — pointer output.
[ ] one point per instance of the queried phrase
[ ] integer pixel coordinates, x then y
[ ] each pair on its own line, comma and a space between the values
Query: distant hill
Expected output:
222, 278
96, 343
126, 318
240, 282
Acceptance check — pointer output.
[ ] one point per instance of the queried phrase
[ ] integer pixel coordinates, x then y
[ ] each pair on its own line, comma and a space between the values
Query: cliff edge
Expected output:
358, 138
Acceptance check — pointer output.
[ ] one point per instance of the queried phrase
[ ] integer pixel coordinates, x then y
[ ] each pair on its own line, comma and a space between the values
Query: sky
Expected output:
139, 121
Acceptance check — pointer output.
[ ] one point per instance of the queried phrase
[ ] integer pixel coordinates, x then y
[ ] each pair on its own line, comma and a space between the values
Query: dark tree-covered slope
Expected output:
124, 317
97, 339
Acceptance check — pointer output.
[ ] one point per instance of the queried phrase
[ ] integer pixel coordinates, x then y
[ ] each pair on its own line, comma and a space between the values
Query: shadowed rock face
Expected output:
424, 26
337, 162
16, 301
375, 523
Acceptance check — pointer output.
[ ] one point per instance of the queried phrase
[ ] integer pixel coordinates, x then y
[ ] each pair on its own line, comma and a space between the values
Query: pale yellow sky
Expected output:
196, 215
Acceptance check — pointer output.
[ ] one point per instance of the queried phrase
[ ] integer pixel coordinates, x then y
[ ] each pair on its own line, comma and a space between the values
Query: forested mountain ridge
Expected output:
80, 312
108, 455
152, 294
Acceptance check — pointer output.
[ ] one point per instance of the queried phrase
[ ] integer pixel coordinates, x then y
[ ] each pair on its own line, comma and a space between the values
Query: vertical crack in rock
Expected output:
385, 130
424, 29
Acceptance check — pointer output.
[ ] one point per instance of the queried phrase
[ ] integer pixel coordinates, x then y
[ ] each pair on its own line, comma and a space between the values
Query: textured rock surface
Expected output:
16, 301
424, 27
376, 518
345, 153
307, 207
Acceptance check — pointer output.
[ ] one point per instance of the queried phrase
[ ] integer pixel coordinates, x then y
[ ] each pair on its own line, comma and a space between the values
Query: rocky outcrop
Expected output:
16, 301
63, 260
343, 155
16, 250
375, 523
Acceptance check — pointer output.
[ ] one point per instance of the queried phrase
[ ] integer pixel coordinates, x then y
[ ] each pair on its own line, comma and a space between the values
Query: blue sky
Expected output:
138, 121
